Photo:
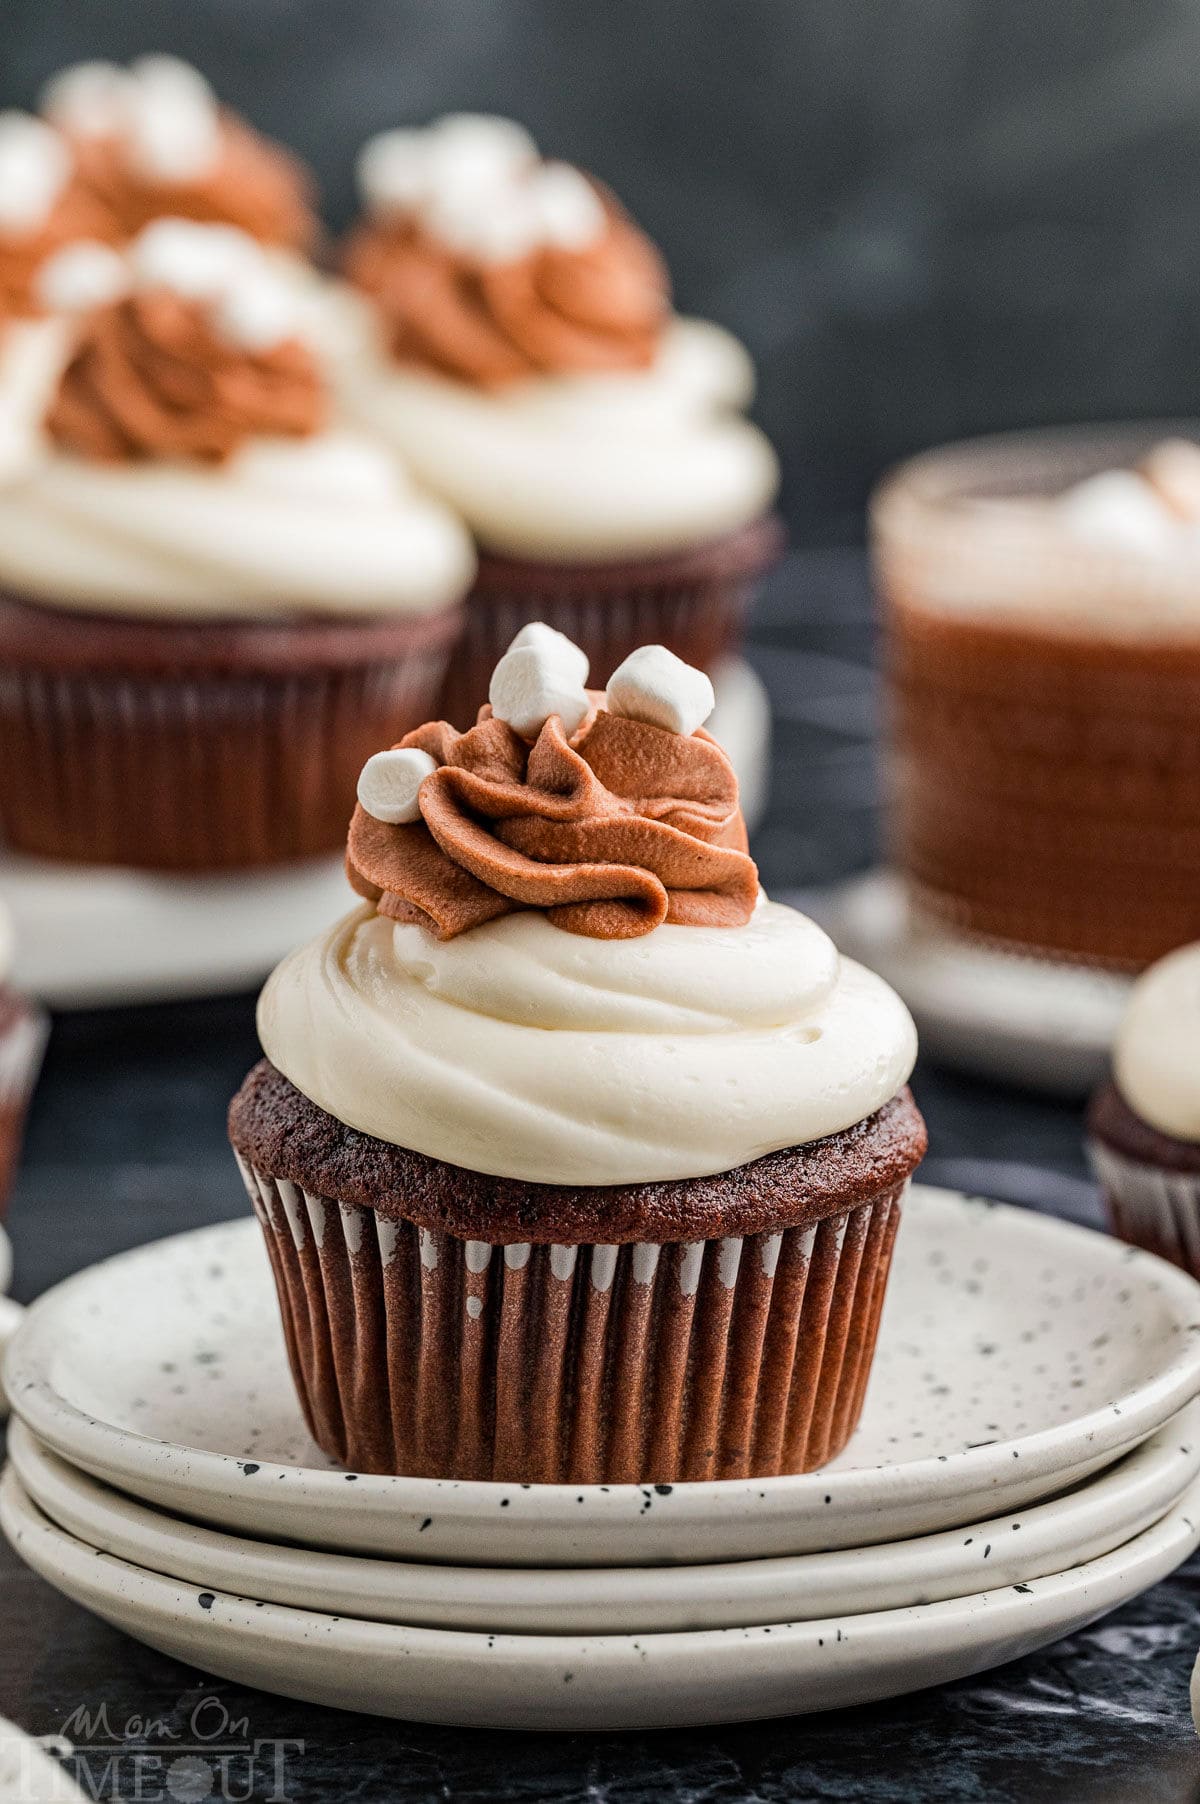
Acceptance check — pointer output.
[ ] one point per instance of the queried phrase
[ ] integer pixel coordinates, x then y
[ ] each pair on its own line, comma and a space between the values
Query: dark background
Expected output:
925, 217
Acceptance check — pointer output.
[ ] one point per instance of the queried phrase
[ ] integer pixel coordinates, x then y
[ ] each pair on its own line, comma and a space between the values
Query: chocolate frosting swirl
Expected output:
553, 312
151, 378
74, 215
255, 184
612, 832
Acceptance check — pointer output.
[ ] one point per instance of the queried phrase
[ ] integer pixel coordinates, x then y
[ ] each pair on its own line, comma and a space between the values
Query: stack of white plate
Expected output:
1029, 1458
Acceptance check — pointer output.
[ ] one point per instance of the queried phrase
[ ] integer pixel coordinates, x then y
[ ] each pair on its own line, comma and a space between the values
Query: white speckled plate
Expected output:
1017, 1355
1086, 1522
598, 1681
92, 936
999, 1014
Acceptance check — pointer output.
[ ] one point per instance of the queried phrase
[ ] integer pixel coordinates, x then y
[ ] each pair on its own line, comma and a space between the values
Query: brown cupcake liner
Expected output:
694, 603
1149, 1206
418, 1352
23, 1033
203, 749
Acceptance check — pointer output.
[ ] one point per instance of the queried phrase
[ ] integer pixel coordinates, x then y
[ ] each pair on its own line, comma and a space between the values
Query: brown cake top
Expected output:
200, 353
152, 141
488, 264
43, 207
612, 813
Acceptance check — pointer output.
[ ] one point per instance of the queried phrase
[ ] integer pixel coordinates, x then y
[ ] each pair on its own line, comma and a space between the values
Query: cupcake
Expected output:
152, 141
577, 1159
23, 1030
1041, 601
1144, 1126
521, 351
213, 605
43, 208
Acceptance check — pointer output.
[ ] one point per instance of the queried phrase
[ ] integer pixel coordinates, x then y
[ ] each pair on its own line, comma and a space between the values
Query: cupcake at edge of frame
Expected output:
213, 603
23, 1031
577, 1159
1144, 1125
521, 350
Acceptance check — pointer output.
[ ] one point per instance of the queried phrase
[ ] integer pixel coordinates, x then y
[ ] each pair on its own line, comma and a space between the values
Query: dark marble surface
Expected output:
127, 1143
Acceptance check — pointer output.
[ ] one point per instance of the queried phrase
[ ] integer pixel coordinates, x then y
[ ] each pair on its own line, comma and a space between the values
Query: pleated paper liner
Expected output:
694, 603
420, 1353
1150, 1207
200, 748
23, 1033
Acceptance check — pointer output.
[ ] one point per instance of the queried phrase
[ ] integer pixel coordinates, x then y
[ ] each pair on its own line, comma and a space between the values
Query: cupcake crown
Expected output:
188, 345
42, 208
490, 264
153, 139
611, 812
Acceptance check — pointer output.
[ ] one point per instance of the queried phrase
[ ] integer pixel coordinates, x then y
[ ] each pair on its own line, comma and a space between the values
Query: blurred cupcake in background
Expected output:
43, 207
523, 355
1144, 1126
152, 140
213, 604
1041, 599
23, 1029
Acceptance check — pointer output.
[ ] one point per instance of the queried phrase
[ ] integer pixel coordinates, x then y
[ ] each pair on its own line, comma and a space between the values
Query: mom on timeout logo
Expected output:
200, 1753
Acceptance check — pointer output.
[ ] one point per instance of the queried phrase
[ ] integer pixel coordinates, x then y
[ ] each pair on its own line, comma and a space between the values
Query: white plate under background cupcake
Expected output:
90, 936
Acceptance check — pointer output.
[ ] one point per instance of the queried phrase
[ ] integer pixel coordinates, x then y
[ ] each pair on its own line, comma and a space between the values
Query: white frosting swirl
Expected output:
327, 525
1156, 1057
602, 466
525, 1052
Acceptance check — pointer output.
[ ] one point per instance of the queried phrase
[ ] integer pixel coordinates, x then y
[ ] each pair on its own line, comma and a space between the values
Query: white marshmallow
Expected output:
173, 130
556, 647
655, 686
480, 148
389, 784
569, 211
80, 276
528, 686
201, 262
493, 225
35, 166
90, 100
393, 171
1120, 511
259, 313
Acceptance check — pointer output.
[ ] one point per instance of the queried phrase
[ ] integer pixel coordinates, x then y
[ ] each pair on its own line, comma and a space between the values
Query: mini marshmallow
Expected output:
480, 148
258, 314
1119, 511
389, 784
556, 647
173, 129
528, 686
200, 262
1173, 470
35, 166
491, 225
569, 211
655, 686
80, 276
89, 100
393, 171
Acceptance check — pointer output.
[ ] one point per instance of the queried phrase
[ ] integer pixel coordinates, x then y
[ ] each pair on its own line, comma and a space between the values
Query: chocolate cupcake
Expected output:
1041, 597
23, 1029
521, 351
1144, 1126
577, 1159
151, 141
212, 605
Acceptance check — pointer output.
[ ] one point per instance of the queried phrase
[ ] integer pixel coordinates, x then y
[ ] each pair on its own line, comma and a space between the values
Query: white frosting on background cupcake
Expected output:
1156, 1056
526, 1052
588, 467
